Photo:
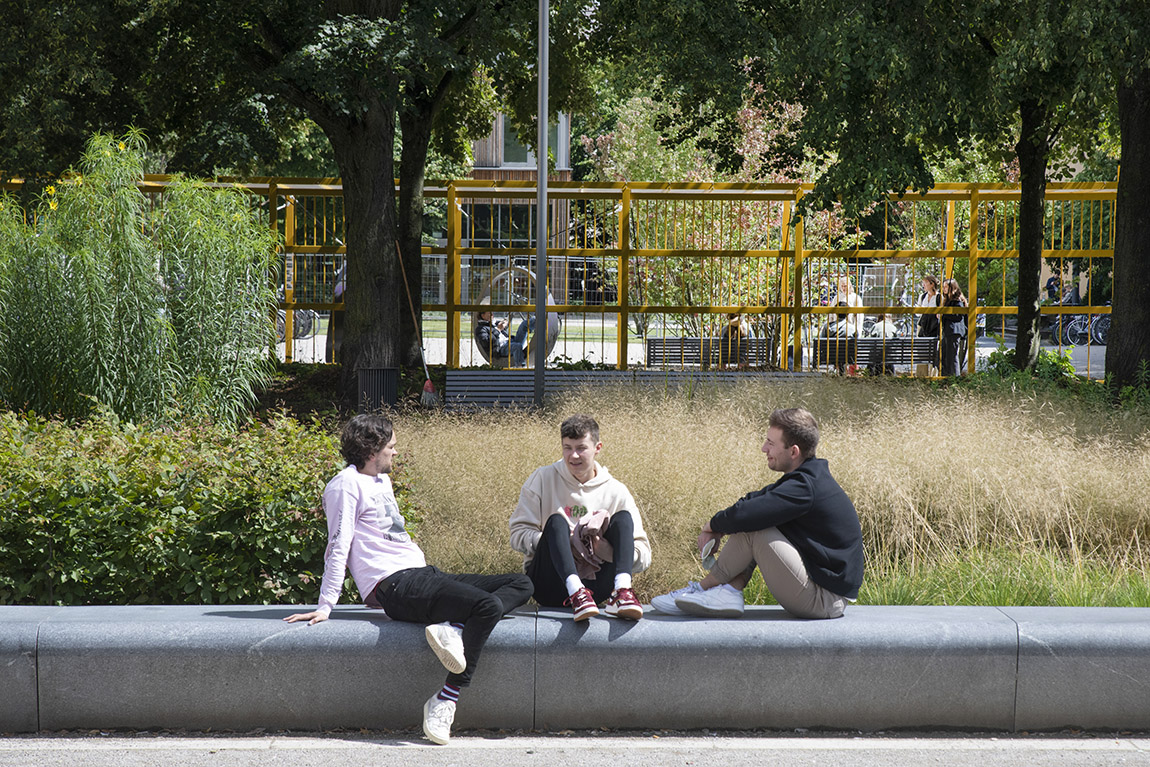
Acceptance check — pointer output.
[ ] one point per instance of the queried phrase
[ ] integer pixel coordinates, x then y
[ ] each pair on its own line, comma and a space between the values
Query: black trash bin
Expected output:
378, 388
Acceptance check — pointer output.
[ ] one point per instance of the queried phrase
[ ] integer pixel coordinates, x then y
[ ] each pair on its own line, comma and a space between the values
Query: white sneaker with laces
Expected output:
447, 643
437, 718
665, 603
723, 601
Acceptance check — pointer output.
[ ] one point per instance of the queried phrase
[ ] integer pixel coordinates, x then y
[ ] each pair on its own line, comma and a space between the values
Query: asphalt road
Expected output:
1087, 359
583, 750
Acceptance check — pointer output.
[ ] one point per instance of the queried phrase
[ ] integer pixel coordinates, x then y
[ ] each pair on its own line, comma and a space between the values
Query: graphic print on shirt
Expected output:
388, 519
575, 512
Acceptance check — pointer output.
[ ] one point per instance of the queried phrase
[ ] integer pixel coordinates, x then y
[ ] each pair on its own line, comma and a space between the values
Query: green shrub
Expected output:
112, 513
1052, 366
156, 310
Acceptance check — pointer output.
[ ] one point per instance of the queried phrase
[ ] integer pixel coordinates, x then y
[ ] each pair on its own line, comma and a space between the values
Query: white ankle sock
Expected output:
622, 581
573, 584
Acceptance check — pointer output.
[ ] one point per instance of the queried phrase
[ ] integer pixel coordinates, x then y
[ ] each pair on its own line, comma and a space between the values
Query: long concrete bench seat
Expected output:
242, 667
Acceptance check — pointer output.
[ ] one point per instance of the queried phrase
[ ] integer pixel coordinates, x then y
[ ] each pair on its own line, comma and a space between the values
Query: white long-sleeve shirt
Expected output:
365, 533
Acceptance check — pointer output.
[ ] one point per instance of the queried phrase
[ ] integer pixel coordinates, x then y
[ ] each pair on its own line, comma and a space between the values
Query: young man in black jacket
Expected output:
802, 531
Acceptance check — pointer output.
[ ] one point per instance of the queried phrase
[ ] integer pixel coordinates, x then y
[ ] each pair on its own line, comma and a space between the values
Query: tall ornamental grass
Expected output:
997, 496
155, 308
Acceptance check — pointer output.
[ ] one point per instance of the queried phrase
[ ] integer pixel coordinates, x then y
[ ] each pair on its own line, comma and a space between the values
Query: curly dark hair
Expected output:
579, 426
363, 437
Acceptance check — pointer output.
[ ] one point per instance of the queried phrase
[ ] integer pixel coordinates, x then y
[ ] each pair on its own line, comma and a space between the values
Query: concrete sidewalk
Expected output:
603, 750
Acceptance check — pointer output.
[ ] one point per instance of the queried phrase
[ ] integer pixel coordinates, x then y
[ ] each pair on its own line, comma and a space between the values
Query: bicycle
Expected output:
1100, 329
303, 324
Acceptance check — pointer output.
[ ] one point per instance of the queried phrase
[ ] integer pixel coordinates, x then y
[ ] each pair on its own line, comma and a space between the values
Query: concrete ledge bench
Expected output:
241, 667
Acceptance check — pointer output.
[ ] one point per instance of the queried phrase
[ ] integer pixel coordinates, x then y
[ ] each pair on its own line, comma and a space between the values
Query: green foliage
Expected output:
1052, 367
1137, 395
111, 513
153, 311
999, 576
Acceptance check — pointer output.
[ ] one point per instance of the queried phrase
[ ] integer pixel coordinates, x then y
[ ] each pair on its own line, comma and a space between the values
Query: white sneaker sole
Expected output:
706, 611
663, 610
446, 657
428, 734
626, 613
590, 612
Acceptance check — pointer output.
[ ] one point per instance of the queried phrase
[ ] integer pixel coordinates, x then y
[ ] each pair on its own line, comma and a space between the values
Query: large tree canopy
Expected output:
887, 86
221, 77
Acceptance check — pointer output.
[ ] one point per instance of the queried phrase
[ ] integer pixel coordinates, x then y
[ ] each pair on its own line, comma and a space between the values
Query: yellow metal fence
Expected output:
634, 268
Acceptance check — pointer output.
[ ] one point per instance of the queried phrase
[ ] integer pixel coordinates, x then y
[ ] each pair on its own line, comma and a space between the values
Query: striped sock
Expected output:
449, 692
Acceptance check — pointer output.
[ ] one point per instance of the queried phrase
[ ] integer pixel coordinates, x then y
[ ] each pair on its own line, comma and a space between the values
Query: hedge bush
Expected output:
108, 512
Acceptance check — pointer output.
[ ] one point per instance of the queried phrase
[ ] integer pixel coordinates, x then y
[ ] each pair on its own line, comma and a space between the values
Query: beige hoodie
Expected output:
554, 490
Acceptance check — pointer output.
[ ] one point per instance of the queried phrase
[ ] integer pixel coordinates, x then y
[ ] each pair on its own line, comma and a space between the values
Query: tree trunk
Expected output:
416, 129
374, 298
1128, 345
1032, 149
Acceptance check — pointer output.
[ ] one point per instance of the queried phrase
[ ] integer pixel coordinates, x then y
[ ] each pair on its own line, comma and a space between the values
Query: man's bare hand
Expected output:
312, 618
708, 535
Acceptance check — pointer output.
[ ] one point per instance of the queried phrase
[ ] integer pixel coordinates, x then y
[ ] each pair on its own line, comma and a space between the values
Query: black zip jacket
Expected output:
815, 515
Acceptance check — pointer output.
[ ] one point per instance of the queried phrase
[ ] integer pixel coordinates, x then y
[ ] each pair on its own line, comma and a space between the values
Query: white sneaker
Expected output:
665, 603
447, 642
723, 601
437, 718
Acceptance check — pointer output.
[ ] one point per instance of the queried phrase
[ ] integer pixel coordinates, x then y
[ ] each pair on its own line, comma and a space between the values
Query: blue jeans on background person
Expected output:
518, 356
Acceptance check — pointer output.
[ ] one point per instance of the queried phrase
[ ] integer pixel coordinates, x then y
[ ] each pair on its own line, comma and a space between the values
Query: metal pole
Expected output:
539, 337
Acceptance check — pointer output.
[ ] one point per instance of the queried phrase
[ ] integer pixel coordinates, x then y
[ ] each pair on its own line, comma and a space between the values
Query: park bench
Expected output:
240, 667
675, 351
516, 388
875, 353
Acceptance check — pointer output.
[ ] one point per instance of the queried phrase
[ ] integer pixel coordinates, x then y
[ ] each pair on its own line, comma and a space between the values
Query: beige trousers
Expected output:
783, 572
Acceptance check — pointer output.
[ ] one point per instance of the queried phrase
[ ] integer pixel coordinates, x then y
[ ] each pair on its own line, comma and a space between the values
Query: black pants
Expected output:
554, 561
426, 595
950, 351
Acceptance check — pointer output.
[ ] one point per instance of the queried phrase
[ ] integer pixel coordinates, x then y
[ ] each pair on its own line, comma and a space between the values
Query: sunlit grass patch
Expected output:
965, 497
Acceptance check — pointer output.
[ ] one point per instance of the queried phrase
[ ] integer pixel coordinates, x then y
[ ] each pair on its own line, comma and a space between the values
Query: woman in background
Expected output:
953, 328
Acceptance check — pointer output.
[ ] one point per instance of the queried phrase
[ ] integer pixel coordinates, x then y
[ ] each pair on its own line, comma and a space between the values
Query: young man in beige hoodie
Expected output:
574, 509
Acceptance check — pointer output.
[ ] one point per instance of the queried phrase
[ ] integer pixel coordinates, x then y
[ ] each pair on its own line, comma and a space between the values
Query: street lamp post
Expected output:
541, 217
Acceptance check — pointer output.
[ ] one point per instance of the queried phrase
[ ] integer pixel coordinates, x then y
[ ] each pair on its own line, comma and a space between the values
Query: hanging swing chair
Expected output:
515, 285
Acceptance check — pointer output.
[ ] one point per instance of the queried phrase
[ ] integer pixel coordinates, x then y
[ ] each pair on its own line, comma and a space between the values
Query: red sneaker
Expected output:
623, 604
583, 604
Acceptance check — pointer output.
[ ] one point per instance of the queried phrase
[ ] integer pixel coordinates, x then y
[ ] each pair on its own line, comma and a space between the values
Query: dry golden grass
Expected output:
939, 476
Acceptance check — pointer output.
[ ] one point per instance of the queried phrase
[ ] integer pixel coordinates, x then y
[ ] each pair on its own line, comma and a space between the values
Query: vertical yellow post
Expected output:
972, 284
453, 277
949, 237
797, 298
624, 292
784, 279
289, 275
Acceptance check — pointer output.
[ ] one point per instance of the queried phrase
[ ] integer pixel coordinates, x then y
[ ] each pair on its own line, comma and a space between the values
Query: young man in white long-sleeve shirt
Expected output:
367, 534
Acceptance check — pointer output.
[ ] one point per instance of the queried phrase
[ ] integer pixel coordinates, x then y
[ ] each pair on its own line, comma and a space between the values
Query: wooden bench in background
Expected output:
875, 353
673, 351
